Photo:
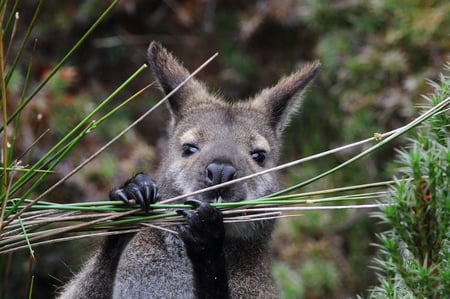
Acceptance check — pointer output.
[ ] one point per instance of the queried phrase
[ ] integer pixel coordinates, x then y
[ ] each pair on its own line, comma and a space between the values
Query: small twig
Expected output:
65, 239
160, 228
75, 227
13, 34
32, 145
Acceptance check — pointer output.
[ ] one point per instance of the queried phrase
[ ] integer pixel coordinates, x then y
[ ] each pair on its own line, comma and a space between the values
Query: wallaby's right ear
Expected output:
170, 73
282, 100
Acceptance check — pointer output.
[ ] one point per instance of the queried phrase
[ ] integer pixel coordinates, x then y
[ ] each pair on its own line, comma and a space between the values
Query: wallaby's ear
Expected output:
284, 99
170, 73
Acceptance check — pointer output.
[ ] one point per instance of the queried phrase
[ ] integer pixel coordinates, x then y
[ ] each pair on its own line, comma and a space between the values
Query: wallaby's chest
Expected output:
163, 270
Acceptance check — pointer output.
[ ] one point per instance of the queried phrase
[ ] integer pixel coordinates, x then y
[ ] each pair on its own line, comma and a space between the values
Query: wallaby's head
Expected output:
212, 141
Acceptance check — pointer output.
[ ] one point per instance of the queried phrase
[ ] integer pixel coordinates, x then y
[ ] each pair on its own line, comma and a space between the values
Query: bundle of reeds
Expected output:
27, 223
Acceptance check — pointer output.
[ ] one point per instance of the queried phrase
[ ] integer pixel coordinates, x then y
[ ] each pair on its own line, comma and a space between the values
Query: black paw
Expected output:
140, 188
204, 232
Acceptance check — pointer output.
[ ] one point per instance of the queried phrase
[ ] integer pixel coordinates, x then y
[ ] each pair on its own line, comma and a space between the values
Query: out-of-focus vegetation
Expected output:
415, 253
375, 58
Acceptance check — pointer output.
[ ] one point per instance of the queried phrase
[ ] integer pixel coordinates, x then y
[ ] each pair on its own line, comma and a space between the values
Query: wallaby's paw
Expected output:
204, 232
140, 188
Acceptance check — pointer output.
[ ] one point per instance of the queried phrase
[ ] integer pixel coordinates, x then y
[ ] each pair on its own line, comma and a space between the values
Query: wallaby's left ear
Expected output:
284, 99
170, 73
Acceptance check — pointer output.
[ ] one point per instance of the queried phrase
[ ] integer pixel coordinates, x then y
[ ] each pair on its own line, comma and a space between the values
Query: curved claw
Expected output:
134, 192
185, 213
146, 192
201, 214
118, 195
140, 188
195, 203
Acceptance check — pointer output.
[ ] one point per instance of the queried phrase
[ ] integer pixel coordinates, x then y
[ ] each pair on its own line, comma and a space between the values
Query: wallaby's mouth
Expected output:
218, 199
220, 196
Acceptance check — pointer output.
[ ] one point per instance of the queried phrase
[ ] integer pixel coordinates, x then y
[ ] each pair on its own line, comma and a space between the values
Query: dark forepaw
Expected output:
140, 188
204, 231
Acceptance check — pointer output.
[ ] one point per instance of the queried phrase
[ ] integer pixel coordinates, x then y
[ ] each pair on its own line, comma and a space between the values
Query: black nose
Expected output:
217, 173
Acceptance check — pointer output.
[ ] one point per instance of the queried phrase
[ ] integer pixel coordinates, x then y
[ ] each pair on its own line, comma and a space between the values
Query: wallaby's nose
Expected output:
217, 173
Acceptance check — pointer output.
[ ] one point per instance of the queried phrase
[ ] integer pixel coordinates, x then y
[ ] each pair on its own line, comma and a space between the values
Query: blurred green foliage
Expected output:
376, 57
414, 254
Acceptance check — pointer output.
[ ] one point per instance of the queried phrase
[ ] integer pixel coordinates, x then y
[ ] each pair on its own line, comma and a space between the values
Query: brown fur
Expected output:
153, 264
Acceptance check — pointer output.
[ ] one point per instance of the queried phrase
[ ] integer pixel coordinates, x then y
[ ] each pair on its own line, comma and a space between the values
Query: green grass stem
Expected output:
25, 235
121, 105
11, 17
51, 159
22, 99
30, 293
433, 111
63, 60
23, 44
13, 33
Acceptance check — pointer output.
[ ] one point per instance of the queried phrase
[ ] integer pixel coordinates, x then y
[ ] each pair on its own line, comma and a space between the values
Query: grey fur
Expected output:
153, 264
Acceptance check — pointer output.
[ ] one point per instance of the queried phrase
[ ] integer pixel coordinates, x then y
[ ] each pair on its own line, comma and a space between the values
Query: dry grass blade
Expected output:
71, 238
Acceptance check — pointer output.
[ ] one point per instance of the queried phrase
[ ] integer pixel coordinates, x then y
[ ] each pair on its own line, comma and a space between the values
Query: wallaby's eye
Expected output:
259, 156
188, 149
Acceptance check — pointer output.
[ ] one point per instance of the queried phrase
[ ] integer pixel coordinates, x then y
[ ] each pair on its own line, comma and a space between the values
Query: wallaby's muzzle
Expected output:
218, 173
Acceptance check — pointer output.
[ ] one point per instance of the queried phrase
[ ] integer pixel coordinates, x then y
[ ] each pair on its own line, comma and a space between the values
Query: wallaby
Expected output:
210, 141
